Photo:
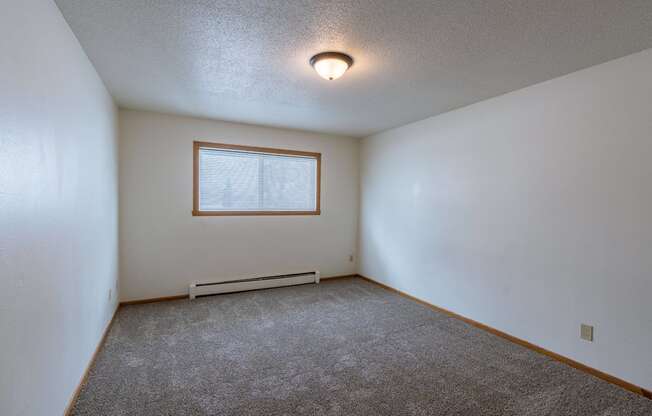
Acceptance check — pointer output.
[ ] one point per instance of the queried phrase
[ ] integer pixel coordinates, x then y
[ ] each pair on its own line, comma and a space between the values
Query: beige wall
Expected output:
530, 212
58, 209
163, 247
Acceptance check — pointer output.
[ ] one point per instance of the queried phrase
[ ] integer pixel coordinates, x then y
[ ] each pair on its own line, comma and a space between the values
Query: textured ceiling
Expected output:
247, 60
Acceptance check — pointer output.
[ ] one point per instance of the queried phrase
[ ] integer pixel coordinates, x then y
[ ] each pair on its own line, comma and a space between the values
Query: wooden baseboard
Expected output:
98, 348
575, 364
334, 278
152, 300
177, 297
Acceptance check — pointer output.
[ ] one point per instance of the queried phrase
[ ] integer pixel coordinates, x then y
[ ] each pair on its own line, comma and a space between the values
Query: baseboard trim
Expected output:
568, 361
333, 278
153, 300
178, 297
98, 348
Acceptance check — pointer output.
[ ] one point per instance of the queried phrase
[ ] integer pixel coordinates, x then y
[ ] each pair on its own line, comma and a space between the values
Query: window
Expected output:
243, 180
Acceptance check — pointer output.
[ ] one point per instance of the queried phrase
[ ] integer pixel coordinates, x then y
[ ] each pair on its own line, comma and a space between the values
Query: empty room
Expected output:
303, 207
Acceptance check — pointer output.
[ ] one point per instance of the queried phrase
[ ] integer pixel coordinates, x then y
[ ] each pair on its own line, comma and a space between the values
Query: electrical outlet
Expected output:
586, 332
351, 258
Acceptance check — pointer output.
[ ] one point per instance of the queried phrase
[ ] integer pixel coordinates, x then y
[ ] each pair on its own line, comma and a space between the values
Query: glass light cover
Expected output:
331, 68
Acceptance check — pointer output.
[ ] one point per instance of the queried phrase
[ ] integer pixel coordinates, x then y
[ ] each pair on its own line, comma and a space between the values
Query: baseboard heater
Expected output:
198, 289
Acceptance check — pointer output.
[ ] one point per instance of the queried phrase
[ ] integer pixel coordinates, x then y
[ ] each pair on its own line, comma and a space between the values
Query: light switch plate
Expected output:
586, 332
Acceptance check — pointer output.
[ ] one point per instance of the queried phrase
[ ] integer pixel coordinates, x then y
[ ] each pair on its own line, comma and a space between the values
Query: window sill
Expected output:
251, 213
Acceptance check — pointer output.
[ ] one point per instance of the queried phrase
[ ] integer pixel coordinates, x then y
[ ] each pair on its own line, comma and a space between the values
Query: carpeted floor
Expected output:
345, 347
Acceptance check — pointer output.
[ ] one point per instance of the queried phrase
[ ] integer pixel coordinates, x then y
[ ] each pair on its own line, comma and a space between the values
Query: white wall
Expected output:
58, 209
530, 212
163, 247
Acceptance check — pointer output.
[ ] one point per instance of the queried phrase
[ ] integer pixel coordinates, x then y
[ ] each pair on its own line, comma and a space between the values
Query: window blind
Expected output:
251, 181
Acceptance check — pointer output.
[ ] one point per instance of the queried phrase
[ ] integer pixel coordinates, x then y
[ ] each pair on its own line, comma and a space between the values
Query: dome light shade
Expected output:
331, 65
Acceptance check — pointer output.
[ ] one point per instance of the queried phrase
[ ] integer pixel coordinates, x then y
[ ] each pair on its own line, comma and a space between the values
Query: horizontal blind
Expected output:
250, 181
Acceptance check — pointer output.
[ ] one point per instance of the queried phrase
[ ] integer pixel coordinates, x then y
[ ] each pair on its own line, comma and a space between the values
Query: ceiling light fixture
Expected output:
331, 65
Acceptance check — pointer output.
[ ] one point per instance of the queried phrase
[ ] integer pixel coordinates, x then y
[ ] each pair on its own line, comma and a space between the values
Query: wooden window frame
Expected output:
253, 149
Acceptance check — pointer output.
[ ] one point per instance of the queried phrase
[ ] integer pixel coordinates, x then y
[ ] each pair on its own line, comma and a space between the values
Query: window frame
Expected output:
197, 145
